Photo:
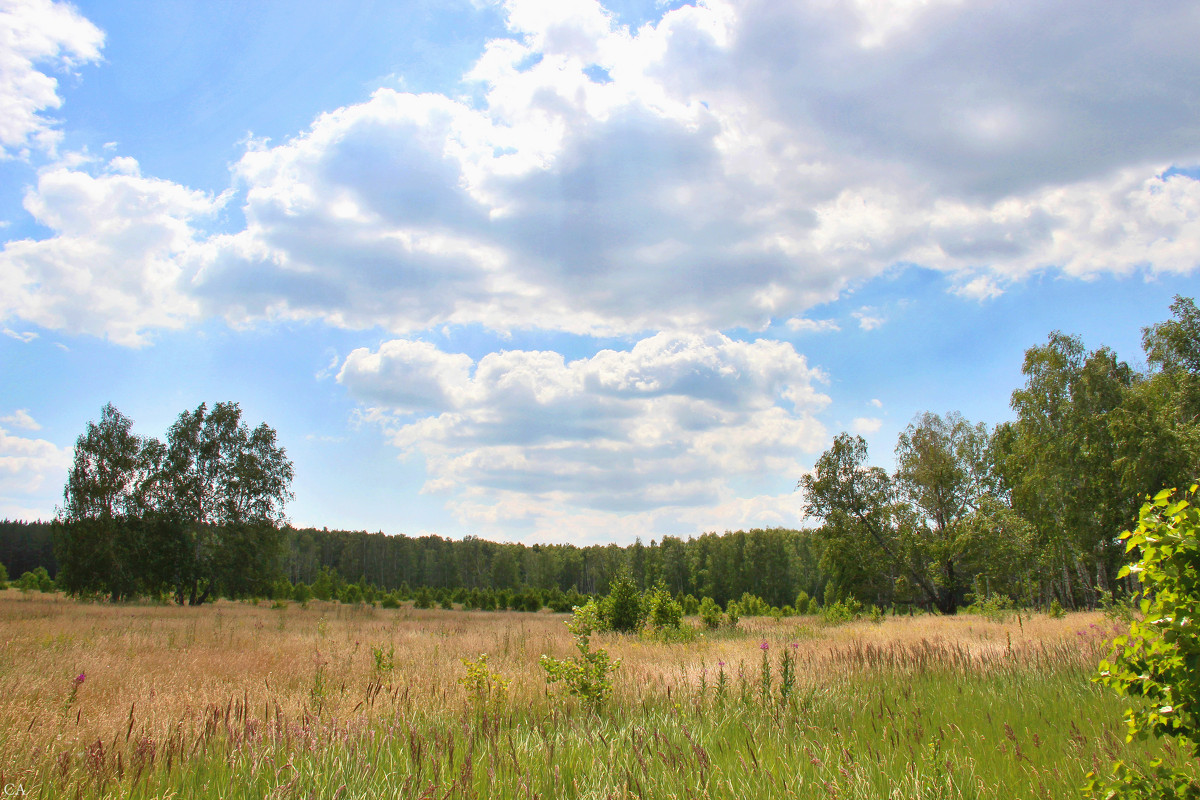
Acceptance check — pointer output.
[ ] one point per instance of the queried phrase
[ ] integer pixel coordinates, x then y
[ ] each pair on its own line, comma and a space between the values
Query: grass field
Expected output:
237, 700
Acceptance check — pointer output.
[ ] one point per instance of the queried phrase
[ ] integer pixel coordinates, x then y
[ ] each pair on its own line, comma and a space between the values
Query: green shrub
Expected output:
487, 691
424, 598
710, 613
841, 612
691, 606
390, 600
997, 608
589, 674
622, 610
3, 577
37, 580
1055, 611
802, 603
1159, 661
301, 593
663, 612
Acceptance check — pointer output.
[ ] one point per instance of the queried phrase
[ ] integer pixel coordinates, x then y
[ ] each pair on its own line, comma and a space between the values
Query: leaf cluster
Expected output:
1159, 661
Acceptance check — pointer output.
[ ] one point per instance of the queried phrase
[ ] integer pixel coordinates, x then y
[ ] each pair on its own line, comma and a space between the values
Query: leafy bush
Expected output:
589, 674
1056, 610
997, 608
424, 598
802, 603
622, 610
710, 613
753, 606
301, 593
1117, 608
841, 612
487, 691
691, 606
664, 613
1159, 660
390, 600
3, 577
39, 579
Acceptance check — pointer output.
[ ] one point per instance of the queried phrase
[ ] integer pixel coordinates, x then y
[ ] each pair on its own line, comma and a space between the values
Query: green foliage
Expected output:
390, 600
196, 516
995, 607
622, 610
663, 611
1159, 661
1119, 609
385, 661
802, 601
588, 675
423, 599
36, 580
3, 577
487, 691
1055, 611
750, 605
841, 612
710, 613
301, 593
691, 606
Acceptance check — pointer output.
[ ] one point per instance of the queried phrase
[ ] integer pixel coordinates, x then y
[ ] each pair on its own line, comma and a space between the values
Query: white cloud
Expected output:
34, 35
665, 427
21, 419
20, 336
865, 425
868, 318
27, 468
746, 162
876, 402
114, 267
804, 325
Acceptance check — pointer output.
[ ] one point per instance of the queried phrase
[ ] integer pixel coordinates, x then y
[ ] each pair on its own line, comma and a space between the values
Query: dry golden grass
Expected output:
156, 672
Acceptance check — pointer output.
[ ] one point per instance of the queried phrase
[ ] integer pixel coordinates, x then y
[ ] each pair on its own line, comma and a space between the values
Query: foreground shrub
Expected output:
1159, 661
588, 675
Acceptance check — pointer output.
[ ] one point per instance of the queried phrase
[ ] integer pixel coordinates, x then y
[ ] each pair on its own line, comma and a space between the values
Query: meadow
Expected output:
239, 700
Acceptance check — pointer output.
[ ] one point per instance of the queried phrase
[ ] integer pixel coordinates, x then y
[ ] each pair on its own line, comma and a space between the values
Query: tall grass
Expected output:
248, 701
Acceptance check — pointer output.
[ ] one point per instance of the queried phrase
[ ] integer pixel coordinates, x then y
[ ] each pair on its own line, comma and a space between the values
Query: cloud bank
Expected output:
730, 165
36, 36
667, 426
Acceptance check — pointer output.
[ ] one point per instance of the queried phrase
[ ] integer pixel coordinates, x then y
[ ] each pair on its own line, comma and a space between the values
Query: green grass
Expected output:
927, 727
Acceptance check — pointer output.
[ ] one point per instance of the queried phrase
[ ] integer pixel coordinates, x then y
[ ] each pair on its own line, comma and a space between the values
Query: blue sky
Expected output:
561, 271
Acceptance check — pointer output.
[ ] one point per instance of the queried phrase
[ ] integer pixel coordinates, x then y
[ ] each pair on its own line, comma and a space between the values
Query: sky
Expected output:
561, 271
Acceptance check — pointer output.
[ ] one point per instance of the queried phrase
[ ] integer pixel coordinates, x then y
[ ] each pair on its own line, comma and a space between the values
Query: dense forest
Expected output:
1029, 511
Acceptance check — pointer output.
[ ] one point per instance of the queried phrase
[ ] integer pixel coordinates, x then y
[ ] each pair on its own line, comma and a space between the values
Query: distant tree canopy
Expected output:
198, 514
1032, 510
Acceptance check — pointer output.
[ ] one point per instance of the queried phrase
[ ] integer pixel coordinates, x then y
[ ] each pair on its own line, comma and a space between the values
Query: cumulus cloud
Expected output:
744, 162
804, 325
527, 435
865, 425
36, 36
114, 267
21, 419
28, 468
736, 163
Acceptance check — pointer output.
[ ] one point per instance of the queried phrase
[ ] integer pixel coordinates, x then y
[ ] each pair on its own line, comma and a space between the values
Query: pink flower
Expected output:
80, 678
764, 647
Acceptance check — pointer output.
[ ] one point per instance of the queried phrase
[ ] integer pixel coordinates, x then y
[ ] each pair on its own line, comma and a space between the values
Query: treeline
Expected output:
1028, 512
775, 564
